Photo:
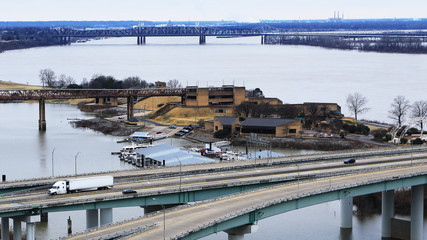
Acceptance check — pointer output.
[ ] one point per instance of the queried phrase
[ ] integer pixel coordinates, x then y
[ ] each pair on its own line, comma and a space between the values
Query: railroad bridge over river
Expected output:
268, 34
101, 96
142, 32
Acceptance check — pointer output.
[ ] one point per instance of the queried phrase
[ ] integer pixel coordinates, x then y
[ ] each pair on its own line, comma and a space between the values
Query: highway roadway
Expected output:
154, 173
174, 183
181, 221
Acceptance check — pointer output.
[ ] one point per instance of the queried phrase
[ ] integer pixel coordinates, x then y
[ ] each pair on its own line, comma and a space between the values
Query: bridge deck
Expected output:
182, 222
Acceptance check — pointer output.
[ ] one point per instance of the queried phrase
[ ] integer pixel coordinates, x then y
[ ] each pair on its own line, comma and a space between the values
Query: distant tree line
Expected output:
49, 79
19, 38
386, 44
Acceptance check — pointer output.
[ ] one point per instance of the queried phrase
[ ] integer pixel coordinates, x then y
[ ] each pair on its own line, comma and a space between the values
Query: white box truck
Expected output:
81, 184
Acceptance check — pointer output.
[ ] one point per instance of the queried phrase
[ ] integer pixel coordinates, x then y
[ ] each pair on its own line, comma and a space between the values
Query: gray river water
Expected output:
291, 73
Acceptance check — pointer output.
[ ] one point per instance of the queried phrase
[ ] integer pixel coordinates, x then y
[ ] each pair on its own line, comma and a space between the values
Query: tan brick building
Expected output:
268, 127
214, 96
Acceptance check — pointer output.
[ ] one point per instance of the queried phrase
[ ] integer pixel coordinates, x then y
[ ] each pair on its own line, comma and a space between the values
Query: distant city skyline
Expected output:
207, 10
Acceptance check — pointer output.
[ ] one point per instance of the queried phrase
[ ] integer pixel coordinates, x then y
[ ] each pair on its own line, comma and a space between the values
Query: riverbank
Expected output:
314, 143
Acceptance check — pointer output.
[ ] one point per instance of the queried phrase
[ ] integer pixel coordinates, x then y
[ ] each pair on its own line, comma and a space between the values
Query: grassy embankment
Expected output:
179, 115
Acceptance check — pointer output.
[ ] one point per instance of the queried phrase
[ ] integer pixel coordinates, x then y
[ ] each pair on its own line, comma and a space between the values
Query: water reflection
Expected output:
346, 234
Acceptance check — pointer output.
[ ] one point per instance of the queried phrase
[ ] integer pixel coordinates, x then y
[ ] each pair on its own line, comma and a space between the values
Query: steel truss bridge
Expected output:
101, 96
157, 32
141, 33
37, 94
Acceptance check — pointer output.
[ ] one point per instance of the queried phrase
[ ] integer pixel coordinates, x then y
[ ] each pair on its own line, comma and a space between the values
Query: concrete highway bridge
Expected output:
101, 96
231, 196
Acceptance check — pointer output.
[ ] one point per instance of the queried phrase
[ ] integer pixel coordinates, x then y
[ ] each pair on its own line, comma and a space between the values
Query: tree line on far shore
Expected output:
49, 79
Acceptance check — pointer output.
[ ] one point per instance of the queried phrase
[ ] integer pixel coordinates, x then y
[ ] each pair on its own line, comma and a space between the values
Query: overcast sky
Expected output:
199, 10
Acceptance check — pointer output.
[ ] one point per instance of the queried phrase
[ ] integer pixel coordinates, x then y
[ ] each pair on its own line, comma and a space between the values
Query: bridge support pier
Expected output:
91, 218
346, 212
140, 40
100, 100
387, 213
238, 233
202, 40
262, 39
114, 102
5, 228
130, 107
106, 216
17, 232
417, 210
42, 115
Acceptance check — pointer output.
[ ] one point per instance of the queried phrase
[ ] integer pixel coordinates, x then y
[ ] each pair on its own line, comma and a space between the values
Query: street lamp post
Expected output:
53, 172
75, 164
298, 180
180, 173
164, 219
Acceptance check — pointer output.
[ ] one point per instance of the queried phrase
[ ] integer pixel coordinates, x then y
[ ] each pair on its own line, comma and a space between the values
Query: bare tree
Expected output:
399, 108
47, 77
419, 109
357, 103
173, 84
134, 82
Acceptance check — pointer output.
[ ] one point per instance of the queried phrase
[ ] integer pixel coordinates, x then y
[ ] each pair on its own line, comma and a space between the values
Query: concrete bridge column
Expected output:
5, 228
31, 227
106, 216
92, 218
143, 40
99, 100
347, 212
202, 40
17, 230
42, 114
238, 233
387, 213
129, 107
262, 39
417, 210
114, 102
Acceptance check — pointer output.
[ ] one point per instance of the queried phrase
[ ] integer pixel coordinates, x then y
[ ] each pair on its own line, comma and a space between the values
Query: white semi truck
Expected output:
81, 184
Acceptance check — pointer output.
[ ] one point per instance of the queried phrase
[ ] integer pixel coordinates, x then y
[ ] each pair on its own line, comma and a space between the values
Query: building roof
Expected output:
140, 135
266, 122
172, 155
226, 120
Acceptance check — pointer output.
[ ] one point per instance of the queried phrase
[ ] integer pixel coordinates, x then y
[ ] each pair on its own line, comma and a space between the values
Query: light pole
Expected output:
164, 220
75, 164
180, 175
298, 180
53, 173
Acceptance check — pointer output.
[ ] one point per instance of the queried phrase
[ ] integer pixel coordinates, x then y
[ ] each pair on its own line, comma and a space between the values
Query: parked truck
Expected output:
81, 184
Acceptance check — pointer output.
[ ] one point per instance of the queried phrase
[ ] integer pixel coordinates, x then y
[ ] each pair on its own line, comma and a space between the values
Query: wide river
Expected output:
294, 74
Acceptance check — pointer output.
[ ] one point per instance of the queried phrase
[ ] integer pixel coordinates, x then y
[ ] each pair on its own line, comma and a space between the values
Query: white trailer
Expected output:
81, 184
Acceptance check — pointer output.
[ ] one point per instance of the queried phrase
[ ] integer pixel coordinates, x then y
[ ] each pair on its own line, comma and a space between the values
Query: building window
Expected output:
216, 128
260, 130
191, 97
220, 110
292, 130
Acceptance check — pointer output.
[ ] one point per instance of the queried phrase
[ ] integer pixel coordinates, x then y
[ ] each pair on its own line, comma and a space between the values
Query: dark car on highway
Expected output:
350, 160
127, 191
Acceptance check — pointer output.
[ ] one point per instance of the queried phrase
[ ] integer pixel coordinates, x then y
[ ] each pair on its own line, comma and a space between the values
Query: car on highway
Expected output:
128, 191
349, 160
